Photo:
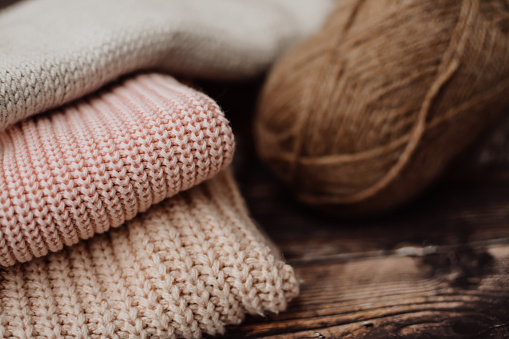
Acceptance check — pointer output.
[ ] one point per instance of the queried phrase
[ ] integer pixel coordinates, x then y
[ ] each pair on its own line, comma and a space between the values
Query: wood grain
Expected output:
439, 268
436, 268
397, 297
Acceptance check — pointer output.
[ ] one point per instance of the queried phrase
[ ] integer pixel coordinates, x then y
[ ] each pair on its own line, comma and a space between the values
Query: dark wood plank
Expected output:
455, 292
436, 268
452, 213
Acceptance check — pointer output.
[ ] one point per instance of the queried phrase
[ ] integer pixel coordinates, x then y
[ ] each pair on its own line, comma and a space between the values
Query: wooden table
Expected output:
436, 268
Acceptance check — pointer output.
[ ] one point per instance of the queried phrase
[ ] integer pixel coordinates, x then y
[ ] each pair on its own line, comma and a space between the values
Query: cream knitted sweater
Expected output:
55, 51
187, 267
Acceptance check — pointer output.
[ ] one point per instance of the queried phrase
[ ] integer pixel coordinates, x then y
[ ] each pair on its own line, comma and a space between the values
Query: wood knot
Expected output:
462, 266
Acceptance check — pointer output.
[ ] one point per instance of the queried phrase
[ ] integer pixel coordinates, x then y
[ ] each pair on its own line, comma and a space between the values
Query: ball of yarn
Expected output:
366, 113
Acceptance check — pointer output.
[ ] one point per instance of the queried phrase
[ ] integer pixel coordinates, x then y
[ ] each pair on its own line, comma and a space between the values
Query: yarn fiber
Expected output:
98, 162
187, 267
369, 111
56, 51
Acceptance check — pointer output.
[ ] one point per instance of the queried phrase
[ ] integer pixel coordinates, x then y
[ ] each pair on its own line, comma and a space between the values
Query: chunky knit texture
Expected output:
55, 51
188, 266
98, 162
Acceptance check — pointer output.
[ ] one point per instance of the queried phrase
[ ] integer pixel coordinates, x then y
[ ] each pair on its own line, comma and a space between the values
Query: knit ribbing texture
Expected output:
55, 51
92, 165
188, 266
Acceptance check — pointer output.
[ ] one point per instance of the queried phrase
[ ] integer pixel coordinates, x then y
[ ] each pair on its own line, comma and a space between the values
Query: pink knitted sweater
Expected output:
94, 164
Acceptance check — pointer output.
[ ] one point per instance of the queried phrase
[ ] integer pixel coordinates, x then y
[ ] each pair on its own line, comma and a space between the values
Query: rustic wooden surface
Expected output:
436, 268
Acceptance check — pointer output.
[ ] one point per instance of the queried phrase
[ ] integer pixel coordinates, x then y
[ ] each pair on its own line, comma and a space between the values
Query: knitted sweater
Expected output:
92, 165
55, 51
188, 266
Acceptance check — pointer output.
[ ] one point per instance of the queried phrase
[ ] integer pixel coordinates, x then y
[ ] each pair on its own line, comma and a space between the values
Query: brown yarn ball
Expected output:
366, 113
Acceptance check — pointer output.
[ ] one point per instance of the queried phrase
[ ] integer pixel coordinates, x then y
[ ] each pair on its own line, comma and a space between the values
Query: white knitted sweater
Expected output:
55, 51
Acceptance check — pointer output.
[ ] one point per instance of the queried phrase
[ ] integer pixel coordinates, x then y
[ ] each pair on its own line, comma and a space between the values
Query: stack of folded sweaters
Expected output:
98, 141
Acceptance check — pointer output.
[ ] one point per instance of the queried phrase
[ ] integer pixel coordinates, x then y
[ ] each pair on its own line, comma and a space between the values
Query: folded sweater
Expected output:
96, 163
187, 267
55, 51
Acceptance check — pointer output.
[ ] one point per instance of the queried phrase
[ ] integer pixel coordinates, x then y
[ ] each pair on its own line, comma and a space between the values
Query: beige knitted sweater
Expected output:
189, 266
